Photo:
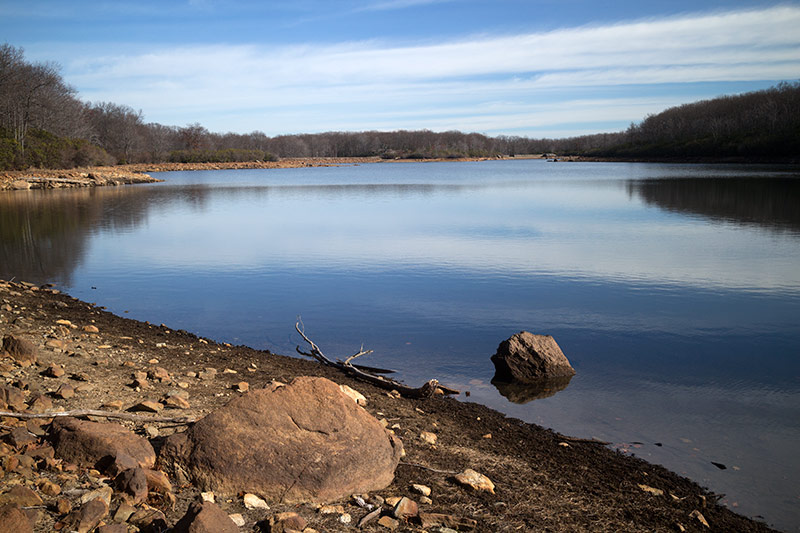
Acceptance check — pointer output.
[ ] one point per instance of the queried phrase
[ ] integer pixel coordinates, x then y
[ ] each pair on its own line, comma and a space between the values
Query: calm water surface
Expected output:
674, 290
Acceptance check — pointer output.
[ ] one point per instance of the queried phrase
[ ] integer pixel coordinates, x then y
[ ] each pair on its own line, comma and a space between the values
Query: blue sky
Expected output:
537, 68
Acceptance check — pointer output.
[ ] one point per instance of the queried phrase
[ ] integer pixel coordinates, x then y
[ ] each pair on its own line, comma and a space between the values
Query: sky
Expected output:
535, 68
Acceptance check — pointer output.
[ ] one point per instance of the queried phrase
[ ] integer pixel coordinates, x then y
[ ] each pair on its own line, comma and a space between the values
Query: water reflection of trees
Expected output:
766, 202
44, 234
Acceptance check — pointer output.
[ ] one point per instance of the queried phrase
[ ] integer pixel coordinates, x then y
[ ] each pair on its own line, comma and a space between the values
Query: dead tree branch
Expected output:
425, 391
103, 414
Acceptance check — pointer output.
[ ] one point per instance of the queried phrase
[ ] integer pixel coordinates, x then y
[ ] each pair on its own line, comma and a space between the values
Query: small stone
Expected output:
242, 386
229, 371
183, 385
63, 506
251, 501
133, 483
475, 480
147, 406
282, 522
124, 512
49, 488
357, 397
152, 431
103, 493
697, 515
157, 481
149, 518
63, 322
81, 376
651, 490
487, 436
428, 437
114, 405
65, 391
176, 402
207, 496
87, 517
345, 518
405, 508
331, 509
159, 373
237, 519
391, 501
91, 329
425, 500
153, 361
54, 371
389, 522
421, 489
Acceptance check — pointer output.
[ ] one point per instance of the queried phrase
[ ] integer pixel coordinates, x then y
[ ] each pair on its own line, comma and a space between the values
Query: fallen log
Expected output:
427, 389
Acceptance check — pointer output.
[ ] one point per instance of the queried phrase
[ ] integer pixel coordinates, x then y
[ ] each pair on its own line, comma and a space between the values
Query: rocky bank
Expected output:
465, 467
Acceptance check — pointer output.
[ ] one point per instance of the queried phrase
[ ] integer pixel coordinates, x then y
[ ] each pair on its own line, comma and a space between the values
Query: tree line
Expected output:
43, 123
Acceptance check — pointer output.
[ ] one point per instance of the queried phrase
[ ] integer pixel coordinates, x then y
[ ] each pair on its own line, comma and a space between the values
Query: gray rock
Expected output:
530, 358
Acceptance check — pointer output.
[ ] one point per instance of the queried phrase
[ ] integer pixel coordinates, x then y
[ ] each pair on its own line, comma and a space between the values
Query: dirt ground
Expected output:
544, 481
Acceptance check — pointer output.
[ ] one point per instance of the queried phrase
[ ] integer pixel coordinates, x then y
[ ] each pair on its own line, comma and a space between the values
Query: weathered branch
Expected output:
103, 414
425, 391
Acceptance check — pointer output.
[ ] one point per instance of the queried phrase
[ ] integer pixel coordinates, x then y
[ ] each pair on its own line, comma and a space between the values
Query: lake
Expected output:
674, 290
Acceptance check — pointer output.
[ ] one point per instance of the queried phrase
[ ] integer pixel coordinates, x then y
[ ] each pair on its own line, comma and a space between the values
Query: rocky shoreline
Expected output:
138, 173
154, 379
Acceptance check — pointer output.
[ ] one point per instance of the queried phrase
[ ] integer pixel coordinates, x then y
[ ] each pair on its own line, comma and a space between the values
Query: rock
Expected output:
87, 517
54, 371
21, 496
405, 508
102, 493
345, 518
242, 386
237, 519
357, 397
20, 350
331, 509
207, 496
159, 373
124, 512
94, 443
113, 405
13, 519
12, 397
475, 480
251, 501
306, 441
39, 403
431, 520
651, 490
530, 358
421, 489
20, 185
148, 519
49, 488
176, 402
389, 522
205, 517
65, 391
697, 515
90, 329
63, 506
157, 481
113, 528
285, 522
428, 437
147, 406
132, 483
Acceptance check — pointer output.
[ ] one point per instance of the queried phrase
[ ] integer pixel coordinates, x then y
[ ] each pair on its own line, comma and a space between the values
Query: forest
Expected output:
45, 124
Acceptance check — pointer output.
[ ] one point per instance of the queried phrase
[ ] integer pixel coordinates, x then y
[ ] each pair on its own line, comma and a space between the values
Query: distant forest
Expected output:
43, 123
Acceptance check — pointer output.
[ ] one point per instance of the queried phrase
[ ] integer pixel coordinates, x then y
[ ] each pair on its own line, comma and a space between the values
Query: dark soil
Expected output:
544, 481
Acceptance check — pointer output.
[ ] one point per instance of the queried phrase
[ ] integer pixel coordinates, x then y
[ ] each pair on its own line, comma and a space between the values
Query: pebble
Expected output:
148, 406
428, 437
251, 501
389, 522
475, 480
237, 519
345, 518
207, 496
421, 489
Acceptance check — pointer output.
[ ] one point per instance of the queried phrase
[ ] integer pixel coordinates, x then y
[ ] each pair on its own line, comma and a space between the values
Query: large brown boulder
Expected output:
95, 444
306, 441
530, 358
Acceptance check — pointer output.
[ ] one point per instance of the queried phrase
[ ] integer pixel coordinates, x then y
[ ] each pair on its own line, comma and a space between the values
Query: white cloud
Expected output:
210, 81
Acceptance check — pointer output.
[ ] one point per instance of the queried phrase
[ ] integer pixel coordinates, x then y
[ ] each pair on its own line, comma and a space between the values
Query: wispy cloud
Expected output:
388, 5
377, 77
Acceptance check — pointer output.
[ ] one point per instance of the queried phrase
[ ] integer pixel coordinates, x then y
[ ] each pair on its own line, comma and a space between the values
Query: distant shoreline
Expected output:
139, 172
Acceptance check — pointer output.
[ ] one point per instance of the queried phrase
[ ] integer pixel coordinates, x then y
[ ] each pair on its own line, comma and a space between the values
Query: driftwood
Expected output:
425, 391
103, 414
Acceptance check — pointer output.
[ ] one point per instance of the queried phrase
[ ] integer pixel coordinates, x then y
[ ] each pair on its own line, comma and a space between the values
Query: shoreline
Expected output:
544, 481
138, 172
